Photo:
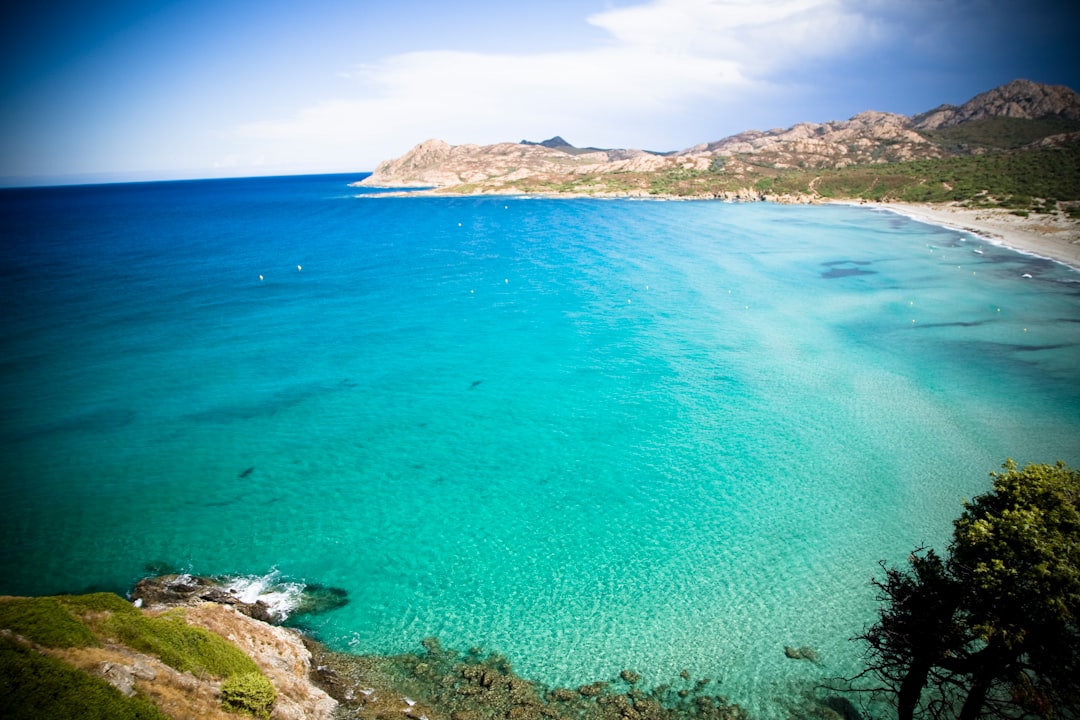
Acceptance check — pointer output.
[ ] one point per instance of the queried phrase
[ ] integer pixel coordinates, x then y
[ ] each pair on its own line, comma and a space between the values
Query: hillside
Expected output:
950, 153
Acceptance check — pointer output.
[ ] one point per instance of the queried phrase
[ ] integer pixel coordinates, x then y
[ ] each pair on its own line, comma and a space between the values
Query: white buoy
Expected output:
298, 268
260, 277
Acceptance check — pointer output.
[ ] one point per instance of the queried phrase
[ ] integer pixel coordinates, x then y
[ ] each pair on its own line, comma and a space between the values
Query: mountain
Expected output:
1020, 116
1018, 99
556, 142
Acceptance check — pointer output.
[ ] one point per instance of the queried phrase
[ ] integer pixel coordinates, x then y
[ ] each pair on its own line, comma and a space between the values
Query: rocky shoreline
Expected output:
307, 680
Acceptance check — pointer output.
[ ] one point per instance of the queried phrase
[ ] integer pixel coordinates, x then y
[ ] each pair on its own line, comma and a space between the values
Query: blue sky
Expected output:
132, 90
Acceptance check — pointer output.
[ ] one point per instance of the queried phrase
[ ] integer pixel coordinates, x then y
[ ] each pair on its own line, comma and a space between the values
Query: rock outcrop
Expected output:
869, 137
185, 590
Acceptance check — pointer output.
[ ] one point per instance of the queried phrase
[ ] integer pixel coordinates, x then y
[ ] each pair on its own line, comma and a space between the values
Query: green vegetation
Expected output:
37, 687
250, 693
103, 602
45, 621
1005, 179
991, 629
999, 132
179, 645
994, 170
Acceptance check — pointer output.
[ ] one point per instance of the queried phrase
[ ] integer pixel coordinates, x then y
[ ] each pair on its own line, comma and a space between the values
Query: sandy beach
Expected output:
1049, 236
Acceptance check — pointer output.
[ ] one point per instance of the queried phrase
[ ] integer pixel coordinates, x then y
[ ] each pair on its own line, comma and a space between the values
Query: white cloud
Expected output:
759, 35
662, 61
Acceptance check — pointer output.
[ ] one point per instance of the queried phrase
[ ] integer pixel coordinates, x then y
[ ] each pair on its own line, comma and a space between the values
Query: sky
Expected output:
122, 90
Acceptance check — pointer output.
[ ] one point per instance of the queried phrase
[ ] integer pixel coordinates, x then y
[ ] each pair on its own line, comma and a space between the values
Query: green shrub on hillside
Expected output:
251, 693
179, 645
45, 621
37, 687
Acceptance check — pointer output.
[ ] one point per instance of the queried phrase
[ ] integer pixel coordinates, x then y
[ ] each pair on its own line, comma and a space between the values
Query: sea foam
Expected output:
282, 597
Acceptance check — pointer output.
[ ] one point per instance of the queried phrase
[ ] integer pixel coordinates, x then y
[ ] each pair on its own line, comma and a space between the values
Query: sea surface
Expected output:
589, 435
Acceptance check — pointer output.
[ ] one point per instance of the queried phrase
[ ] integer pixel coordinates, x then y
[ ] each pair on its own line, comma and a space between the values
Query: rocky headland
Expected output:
869, 138
1005, 164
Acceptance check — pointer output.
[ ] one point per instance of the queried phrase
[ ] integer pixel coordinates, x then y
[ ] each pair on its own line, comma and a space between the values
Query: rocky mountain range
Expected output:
1018, 114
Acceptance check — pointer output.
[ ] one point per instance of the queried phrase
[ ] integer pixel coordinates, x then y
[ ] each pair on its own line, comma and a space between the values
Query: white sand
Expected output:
1050, 236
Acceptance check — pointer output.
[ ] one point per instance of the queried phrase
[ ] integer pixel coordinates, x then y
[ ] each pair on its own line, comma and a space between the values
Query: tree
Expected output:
993, 629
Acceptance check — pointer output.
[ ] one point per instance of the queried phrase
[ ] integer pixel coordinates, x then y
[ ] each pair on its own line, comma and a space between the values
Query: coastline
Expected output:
1052, 237
1045, 236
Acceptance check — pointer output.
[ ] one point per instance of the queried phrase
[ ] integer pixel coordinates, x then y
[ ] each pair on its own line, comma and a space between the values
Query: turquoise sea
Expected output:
590, 435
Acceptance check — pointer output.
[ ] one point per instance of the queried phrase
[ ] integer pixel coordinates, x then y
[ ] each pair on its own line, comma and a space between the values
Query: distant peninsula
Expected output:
1005, 164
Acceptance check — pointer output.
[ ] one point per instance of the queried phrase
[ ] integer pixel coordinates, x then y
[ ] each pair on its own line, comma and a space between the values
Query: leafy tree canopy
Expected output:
991, 630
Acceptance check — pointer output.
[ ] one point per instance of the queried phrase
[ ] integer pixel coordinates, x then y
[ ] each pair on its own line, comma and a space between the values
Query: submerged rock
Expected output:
316, 599
801, 653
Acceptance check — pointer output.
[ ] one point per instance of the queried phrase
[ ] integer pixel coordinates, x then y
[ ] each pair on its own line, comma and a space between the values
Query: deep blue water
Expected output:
587, 434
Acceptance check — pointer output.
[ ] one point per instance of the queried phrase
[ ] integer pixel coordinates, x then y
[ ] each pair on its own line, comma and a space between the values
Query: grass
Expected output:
37, 687
179, 645
45, 621
34, 685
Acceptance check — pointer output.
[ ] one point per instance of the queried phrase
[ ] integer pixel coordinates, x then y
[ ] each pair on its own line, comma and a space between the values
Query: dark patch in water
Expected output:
846, 268
842, 707
475, 383
845, 272
974, 323
96, 421
247, 471
1035, 348
317, 599
269, 406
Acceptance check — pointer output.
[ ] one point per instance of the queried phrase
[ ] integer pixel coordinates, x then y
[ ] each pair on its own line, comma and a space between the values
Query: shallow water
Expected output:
587, 434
